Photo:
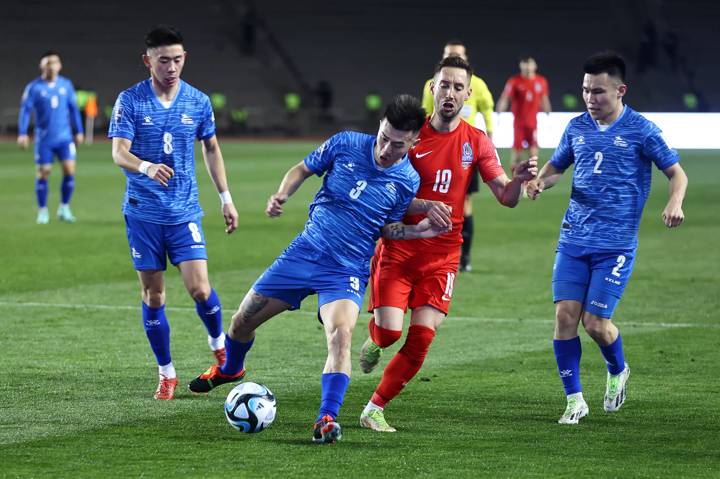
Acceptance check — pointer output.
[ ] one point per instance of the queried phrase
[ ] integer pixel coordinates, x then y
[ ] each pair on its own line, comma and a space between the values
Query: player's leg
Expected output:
385, 328
157, 330
610, 274
67, 154
339, 318
571, 276
43, 167
207, 304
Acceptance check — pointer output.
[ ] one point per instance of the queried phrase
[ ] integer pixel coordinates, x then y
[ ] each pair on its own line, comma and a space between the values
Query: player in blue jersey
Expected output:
58, 129
613, 149
367, 188
153, 129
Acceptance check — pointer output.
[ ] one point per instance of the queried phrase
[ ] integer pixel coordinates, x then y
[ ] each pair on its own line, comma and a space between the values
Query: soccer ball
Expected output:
250, 407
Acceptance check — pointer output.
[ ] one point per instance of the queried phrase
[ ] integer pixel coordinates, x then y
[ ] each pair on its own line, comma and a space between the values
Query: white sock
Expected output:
167, 371
577, 396
216, 343
372, 406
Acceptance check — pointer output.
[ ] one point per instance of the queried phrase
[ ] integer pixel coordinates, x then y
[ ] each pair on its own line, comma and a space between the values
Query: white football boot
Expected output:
616, 390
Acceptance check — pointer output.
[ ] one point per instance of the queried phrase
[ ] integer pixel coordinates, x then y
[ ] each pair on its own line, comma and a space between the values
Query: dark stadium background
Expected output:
333, 54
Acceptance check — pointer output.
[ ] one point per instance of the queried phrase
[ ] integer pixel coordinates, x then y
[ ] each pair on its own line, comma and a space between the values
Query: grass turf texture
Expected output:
78, 375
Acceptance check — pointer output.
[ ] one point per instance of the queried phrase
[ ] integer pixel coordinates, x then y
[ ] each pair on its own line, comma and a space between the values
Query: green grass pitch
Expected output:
78, 375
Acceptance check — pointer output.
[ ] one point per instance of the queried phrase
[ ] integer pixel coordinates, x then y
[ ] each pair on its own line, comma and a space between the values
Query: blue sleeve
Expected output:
656, 148
563, 156
26, 106
206, 128
122, 123
404, 200
320, 160
75, 118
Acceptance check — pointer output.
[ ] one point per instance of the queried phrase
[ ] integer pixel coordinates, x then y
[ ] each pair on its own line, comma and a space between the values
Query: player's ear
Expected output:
622, 89
432, 87
146, 60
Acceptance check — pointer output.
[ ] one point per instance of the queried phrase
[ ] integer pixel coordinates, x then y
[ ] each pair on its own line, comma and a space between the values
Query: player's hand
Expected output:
23, 141
533, 188
427, 229
79, 139
274, 205
160, 172
673, 215
526, 170
231, 217
439, 214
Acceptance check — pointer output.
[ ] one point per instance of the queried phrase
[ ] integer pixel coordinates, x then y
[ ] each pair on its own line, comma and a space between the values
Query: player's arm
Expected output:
216, 168
124, 159
75, 117
508, 191
401, 231
545, 104
23, 140
292, 180
548, 176
673, 214
437, 212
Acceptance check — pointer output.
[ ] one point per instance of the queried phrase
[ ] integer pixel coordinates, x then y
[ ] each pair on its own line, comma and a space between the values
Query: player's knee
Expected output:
383, 337
599, 329
566, 321
200, 293
153, 298
339, 339
43, 173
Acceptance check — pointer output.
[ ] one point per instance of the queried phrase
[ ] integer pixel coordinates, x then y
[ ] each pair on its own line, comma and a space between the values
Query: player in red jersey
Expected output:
528, 93
420, 274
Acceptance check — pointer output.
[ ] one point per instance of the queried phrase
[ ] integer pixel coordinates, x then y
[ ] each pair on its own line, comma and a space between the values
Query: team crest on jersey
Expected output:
467, 155
619, 141
62, 90
186, 120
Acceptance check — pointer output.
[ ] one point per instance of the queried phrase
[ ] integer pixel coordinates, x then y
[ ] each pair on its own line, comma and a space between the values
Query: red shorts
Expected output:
412, 279
525, 137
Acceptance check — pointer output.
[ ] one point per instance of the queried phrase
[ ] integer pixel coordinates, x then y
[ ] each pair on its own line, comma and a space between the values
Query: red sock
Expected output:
404, 365
381, 336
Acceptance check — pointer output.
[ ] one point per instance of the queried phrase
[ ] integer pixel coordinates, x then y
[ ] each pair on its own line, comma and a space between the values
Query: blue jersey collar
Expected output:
611, 125
156, 100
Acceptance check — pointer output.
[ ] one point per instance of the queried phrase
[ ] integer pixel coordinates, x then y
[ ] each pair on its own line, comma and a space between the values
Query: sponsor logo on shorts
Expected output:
136, 254
197, 246
599, 304
613, 281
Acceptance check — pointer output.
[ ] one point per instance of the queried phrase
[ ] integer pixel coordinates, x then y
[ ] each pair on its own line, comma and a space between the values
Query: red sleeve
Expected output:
509, 85
489, 165
546, 88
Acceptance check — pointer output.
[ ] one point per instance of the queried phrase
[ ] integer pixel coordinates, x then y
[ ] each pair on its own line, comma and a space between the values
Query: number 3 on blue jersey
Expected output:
357, 191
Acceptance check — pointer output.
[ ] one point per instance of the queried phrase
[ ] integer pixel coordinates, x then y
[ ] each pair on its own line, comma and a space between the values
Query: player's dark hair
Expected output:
609, 62
162, 36
405, 113
49, 53
455, 42
526, 58
454, 61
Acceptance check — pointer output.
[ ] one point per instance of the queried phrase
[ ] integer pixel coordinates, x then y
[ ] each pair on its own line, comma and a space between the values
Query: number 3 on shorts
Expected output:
195, 232
355, 283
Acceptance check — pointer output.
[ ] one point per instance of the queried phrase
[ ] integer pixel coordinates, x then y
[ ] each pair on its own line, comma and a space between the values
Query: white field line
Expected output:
639, 324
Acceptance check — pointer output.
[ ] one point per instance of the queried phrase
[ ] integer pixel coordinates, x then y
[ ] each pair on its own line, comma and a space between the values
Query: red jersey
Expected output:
525, 95
445, 163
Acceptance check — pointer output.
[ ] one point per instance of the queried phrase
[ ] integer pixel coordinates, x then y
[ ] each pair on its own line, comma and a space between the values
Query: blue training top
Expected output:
611, 178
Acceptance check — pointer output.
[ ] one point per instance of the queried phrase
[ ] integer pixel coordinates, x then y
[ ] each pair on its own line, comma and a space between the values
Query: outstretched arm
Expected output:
216, 168
673, 214
401, 231
547, 177
124, 159
508, 191
437, 212
289, 185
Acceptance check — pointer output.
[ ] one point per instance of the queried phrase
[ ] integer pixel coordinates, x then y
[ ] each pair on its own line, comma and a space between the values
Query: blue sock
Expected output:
236, 352
614, 356
334, 386
210, 313
66, 189
567, 355
41, 191
158, 332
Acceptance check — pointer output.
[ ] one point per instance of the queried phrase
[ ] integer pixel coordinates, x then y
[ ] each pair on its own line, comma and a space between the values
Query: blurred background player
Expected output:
367, 187
480, 100
611, 147
153, 130
420, 274
527, 93
51, 98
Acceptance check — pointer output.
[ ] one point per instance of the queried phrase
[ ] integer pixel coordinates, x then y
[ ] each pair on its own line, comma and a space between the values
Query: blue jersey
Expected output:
611, 178
56, 111
163, 135
357, 198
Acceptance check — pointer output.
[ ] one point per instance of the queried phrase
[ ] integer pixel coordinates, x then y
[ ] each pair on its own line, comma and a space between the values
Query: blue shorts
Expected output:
595, 278
302, 270
44, 153
151, 243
